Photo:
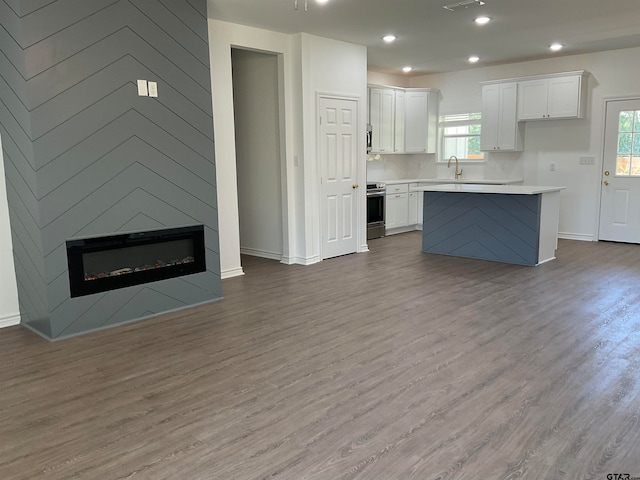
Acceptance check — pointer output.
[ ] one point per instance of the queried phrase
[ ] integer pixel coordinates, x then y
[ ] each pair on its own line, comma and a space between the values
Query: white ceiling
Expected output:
433, 39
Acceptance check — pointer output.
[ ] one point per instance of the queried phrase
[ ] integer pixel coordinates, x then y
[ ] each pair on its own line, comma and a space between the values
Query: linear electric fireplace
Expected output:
99, 264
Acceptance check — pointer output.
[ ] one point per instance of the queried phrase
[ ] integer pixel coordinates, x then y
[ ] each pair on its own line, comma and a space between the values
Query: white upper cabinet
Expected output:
421, 116
552, 97
382, 119
403, 120
400, 112
500, 129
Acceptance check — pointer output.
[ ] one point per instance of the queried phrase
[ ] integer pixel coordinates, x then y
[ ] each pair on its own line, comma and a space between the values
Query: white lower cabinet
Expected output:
420, 209
415, 210
402, 208
397, 215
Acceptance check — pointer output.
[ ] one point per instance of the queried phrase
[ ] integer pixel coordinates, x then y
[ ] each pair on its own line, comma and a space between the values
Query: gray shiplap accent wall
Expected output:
85, 155
489, 226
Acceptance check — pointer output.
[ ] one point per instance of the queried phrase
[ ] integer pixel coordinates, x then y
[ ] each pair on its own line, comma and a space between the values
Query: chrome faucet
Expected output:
458, 174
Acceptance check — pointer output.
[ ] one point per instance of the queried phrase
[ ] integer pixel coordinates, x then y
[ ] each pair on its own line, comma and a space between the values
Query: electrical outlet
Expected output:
552, 167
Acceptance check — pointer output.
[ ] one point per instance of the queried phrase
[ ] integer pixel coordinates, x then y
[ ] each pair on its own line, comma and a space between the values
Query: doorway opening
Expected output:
259, 156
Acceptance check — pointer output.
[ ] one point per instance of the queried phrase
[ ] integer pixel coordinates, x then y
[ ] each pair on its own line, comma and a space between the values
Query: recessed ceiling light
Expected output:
473, 58
389, 38
556, 46
407, 69
482, 20
322, 2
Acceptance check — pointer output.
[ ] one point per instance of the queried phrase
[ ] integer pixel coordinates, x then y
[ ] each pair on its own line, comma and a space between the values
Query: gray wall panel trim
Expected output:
14, 80
212, 237
11, 51
89, 312
141, 221
101, 85
12, 104
71, 132
41, 327
29, 283
80, 219
56, 265
147, 316
119, 17
138, 201
97, 145
120, 44
117, 306
54, 17
117, 162
483, 226
10, 129
522, 226
166, 20
25, 7
25, 234
11, 24
192, 18
24, 201
97, 159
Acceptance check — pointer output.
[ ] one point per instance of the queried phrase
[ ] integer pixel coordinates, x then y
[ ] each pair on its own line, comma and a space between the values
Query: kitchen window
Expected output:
460, 136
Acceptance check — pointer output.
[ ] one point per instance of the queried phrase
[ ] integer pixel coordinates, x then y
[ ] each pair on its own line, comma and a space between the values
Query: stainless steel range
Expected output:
375, 210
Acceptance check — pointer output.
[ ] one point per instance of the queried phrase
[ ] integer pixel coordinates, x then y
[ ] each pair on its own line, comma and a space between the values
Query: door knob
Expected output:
606, 173
606, 182
355, 185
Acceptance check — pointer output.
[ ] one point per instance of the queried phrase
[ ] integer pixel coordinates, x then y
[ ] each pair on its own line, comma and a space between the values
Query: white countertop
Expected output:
477, 188
475, 181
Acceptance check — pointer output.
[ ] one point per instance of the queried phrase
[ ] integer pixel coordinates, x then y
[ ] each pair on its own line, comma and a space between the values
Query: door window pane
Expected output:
624, 143
626, 121
628, 159
622, 165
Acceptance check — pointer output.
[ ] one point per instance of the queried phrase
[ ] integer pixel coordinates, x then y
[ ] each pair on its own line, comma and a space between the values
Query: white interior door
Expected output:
338, 154
620, 200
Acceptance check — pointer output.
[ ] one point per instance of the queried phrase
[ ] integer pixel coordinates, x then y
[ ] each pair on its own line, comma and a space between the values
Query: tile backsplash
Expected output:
397, 167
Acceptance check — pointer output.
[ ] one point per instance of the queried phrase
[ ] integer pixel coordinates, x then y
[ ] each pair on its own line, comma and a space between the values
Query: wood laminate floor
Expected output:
386, 365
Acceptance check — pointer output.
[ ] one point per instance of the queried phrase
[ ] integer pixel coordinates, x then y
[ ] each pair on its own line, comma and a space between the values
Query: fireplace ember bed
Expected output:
100, 264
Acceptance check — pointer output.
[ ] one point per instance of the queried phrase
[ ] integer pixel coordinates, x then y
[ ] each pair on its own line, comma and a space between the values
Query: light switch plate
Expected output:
587, 161
153, 89
142, 88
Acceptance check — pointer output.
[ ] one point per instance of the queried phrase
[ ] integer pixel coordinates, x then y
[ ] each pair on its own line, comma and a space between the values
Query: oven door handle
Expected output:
375, 194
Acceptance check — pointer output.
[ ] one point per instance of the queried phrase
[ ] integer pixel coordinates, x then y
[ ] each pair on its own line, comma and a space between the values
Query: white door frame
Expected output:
360, 218
605, 102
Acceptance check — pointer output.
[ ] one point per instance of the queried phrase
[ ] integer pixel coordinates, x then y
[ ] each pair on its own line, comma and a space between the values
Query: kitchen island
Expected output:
503, 223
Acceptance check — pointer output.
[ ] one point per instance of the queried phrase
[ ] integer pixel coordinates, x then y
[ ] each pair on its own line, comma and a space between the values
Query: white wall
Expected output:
222, 37
336, 68
612, 74
258, 160
309, 65
9, 309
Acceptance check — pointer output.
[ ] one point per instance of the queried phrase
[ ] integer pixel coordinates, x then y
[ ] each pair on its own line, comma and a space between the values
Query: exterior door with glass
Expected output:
620, 199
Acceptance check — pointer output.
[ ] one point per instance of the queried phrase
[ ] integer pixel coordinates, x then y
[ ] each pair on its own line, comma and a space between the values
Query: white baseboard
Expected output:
363, 248
576, 236
393, 231
261, 253
10, 320
300, 260
232, 272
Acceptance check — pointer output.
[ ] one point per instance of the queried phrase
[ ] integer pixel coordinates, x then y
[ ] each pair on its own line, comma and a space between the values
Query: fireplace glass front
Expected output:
100, 264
